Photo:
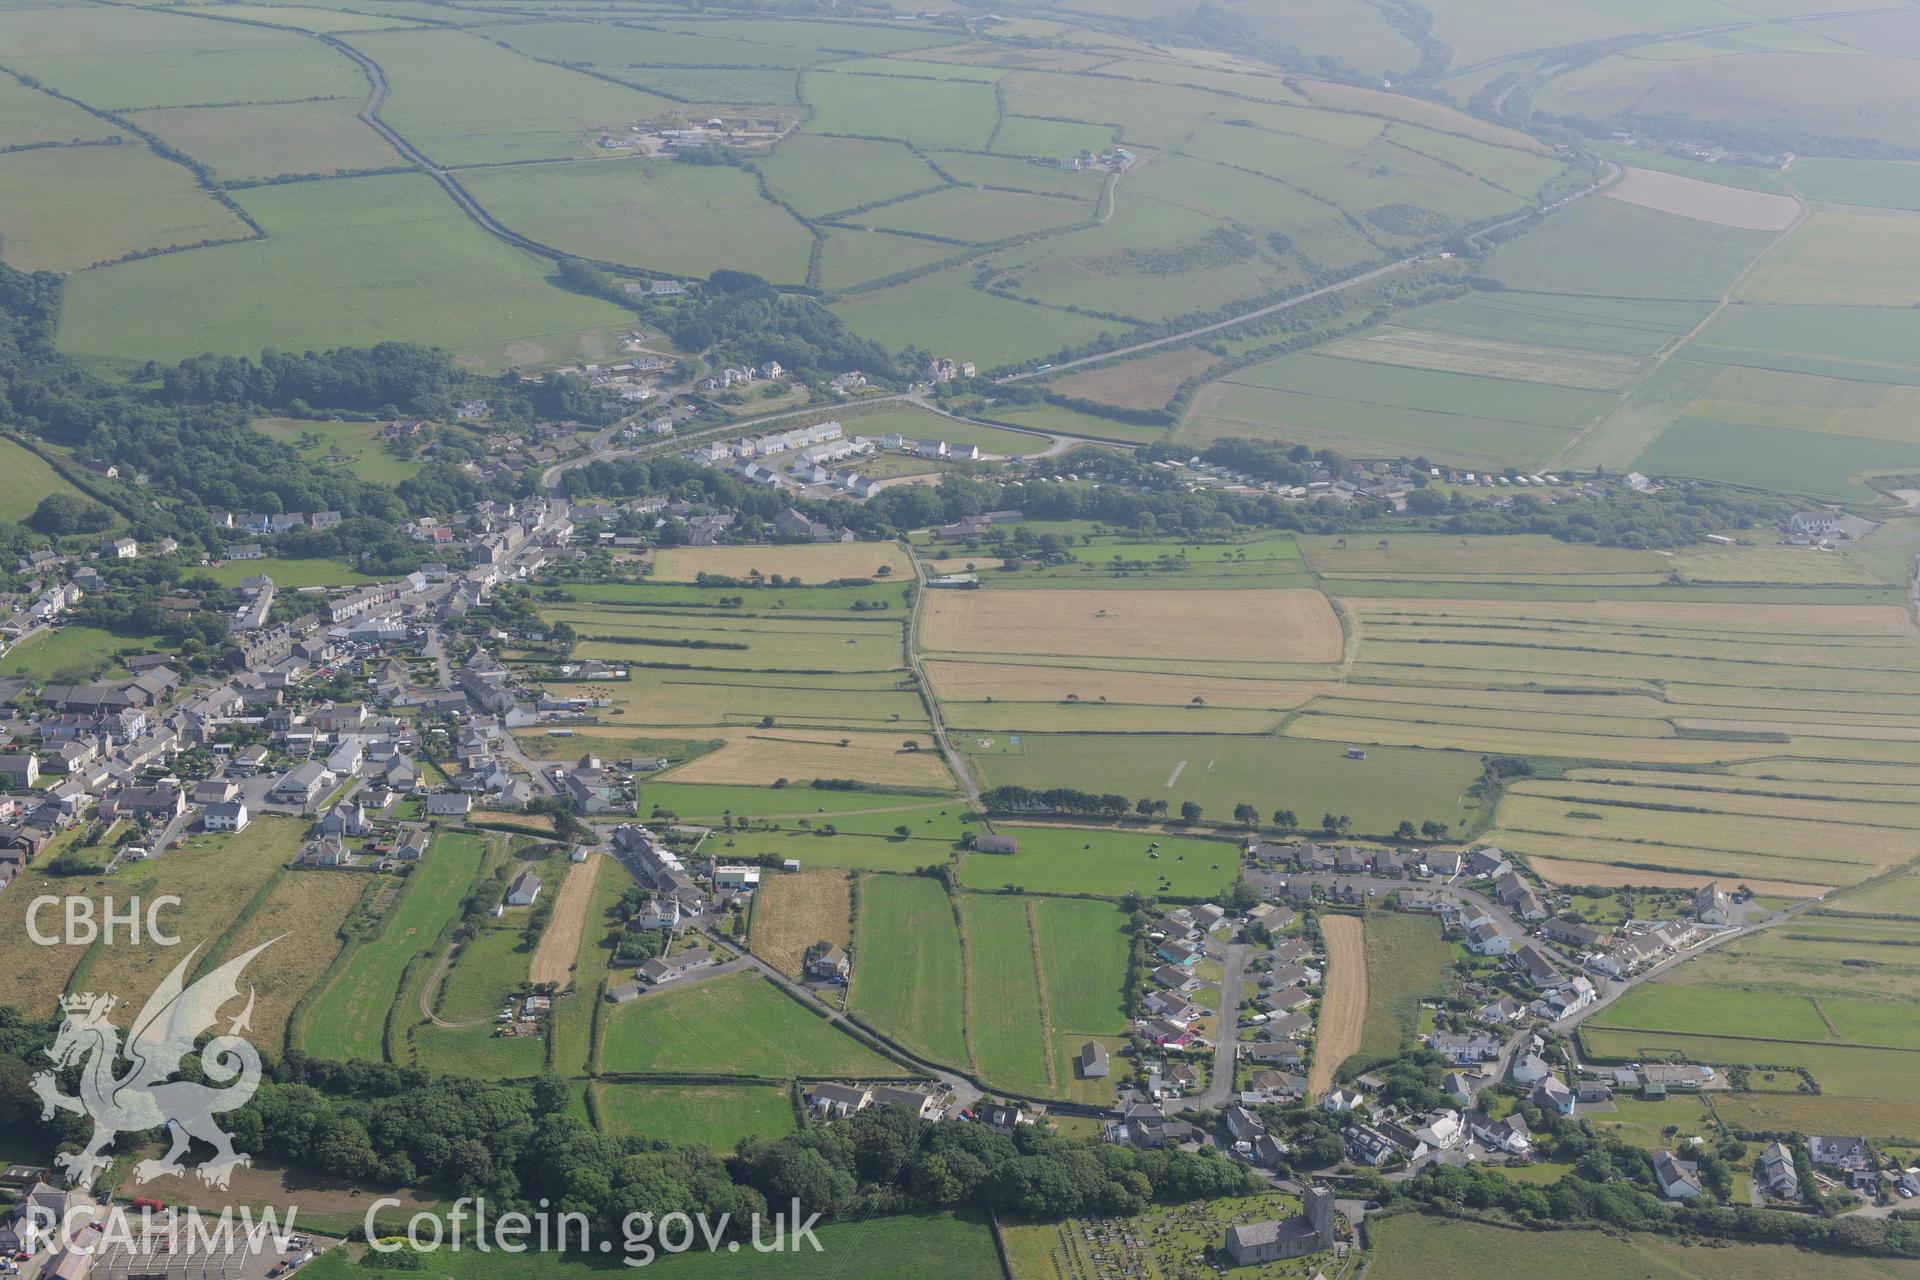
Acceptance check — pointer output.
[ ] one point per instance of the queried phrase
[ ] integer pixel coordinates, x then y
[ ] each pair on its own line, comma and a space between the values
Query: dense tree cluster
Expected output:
405, 375
746, 320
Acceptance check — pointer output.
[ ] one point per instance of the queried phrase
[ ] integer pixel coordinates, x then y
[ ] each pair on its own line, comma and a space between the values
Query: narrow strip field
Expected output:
559, 946
1343, 1002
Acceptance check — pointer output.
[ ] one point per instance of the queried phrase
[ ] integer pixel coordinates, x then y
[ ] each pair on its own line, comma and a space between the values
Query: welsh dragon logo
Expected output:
146, 1096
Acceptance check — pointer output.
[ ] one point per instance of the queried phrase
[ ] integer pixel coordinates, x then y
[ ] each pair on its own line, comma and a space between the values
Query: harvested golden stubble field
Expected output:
1285, 626
792, 912
763, 757
1343, 1003
560, 942
1706, 201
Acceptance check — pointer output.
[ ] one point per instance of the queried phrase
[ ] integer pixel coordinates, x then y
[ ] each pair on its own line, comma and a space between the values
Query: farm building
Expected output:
996, 844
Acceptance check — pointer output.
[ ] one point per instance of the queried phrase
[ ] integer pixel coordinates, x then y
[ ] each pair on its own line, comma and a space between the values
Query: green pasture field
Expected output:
1218, 772
941, 313
843, 37
1005, 1024
216, 879
318, 571
26, 478
877, 850
1071, 422
891, 1248
1382, 410
932, 114
308, 19
1883, 1119
1859, 96
690, 219
70, 650
770, 86
1620, 326
67, 208
819, 176
605, 44
662, 598
1817, 463
1011, 171
463, 100
708, 802
1407, 962
907, 953
271, 139
358, 442
1024, 136
1859, 259
1726, 175
1358, 179
851, 257
1841, 1070
976, 214
1870, 344
740, 1024
715, 1116
1105, 862
1413, 1246
1083, 961
1603, 246
29, 117
346, 261
694, 698
1521, 172
1716, 1010
138, 58
303, 915
770, 644
1446, 555
1883, 184
347, 1018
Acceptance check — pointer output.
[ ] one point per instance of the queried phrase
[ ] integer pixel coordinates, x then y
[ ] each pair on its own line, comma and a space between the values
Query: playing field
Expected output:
737, 1025
908, 953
